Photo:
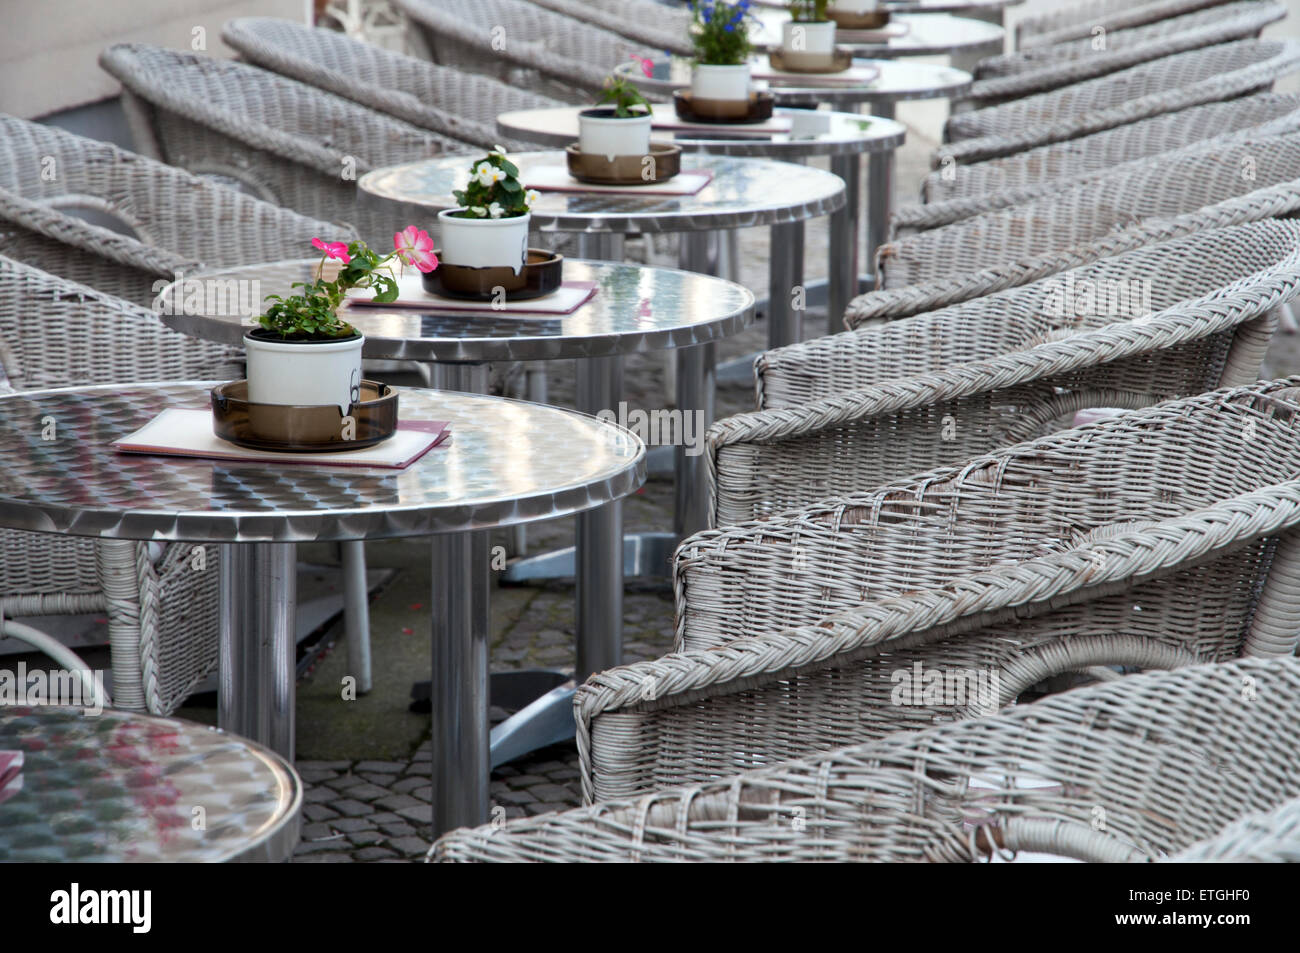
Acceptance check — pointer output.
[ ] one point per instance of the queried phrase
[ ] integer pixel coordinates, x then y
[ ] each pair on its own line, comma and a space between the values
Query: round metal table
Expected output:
843, 137
634, 309
119, 787
743, 193
895, 82
928, 34
507, 462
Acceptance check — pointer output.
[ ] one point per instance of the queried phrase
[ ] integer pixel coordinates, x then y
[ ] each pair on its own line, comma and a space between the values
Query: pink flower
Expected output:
337, 250
415, 247
647, 67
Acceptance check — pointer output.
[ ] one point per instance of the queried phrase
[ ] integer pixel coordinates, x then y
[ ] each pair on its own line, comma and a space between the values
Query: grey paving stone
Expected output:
373, 853
318, 812
345, 781
381, 767
351, 808
315, 775
551, 793
395, 802
316, 831
420, 814
367, 792
322, 765
366, 838
350, 825
383, 817
410, 846
406, 785
326, 857
399, 829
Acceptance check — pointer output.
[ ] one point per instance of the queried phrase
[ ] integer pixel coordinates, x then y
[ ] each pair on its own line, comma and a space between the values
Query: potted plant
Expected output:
858, 14
489, 229
810, 34
622, 129
720, 35
302, 352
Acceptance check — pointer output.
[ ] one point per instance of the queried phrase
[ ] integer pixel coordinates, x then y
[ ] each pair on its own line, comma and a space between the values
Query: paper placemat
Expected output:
556, 178
853, 76
187, 432
568, 298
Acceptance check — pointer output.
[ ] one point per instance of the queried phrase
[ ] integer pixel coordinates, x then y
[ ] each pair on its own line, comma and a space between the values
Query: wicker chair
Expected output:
1079, 20
1264, 838
848, 412
1156, 538
1102, 151
288, 142
1211, 74
1164, 758
523, 45
1274, 201
46, 175
911, 219
1165, 186
1004, 78
448, 101
652, 24
162, 612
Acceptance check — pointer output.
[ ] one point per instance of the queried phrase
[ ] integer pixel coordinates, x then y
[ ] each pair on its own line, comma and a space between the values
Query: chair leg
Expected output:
356, 612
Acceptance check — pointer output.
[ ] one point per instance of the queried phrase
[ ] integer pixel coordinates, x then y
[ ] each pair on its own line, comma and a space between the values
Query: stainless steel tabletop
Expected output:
743, 193
844, 133
634, 309
506, 462
896, 81
122, 787
929, 34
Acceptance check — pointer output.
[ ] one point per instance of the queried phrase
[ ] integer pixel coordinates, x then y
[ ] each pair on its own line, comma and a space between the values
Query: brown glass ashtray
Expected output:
871, 20
303, 429
788, 62
666, 162
542, 274
758, 108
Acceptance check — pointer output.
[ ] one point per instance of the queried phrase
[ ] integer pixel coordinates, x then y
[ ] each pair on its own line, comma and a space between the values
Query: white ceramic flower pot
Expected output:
601, 133
808, 38
720, 82
484, 242
304, 372
854, 6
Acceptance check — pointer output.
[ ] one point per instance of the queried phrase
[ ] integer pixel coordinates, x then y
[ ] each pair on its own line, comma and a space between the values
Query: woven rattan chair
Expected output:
1003, 78
921, 217
1168, 185
1081, 20
1271, 837
178, 221
522, 44
287, 142
1160, 537
1164, 759
1096, 154
162, 611
651, 24
1210, 74
848, 412
448, 101
1280, 200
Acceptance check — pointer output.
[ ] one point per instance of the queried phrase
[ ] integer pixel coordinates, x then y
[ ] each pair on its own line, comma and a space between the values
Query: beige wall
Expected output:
49, 49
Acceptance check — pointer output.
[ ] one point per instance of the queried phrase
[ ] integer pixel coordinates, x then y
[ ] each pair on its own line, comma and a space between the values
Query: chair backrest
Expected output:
58, 333
652, 24
566, 58
1082, 20
1158, 757
1155, 539
1165, 186
1210, 74
849, 412
448, 101
1004, 78
1269, 837
1094, 154
286, 141
1274, 201
921, 217
48, 176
